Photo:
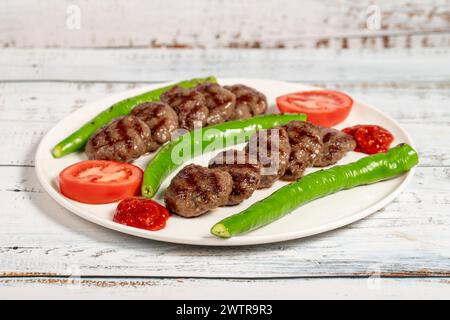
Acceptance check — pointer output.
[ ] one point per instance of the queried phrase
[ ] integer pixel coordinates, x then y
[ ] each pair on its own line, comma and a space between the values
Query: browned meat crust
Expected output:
306, 143
335, 146
220, 102
271, 148
206, 104
124, 139
195, 190
245, 175
249, 102
190, 106
160, 118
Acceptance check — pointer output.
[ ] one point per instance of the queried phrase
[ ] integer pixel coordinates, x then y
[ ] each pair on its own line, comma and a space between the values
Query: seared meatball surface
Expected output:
249, 102
124, 140
335, 146
190, 106
271, 149
306, 144
245, 176
220, 102
196, 190
160, 118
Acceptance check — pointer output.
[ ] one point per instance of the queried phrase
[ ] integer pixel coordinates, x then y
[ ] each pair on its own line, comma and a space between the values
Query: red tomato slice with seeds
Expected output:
100, 181
325, 108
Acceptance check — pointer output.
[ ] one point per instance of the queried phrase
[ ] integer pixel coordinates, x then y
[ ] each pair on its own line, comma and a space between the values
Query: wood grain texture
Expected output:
395, 66
224, 24
110, 288
44, 248
409, 237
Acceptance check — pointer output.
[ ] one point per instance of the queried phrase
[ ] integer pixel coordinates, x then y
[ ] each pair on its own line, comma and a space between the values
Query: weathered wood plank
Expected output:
29, 110
409, 102
409, 238
225, 24
309, 66
370, 288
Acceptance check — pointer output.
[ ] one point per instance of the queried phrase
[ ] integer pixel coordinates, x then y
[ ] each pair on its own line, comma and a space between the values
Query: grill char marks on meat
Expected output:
195, 190
306, 144
150, 124
299, 144
124, 139
245, 175
206, 104
249, 102
335, 145
271, 149
190, 106
219, 101
160, 118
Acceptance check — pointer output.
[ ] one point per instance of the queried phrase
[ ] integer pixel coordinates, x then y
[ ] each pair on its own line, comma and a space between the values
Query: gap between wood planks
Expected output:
388, 275
154, 65
423, 84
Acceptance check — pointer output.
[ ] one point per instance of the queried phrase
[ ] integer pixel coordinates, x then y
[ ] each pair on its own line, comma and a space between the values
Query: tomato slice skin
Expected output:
322, 107
100, 181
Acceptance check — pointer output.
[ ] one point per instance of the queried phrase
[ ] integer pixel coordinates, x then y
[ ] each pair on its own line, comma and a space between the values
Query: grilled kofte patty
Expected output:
190, 106
195, 190
249, 102
124, 139
220, 102
205, 104
306, 144
335, 145
160, 118
271, 149
245, 175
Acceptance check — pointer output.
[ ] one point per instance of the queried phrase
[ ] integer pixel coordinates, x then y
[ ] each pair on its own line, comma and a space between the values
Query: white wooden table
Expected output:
402, 251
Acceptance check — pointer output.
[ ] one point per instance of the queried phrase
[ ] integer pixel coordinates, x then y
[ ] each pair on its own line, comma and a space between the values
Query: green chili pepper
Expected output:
203, 140
78, 139
367, 170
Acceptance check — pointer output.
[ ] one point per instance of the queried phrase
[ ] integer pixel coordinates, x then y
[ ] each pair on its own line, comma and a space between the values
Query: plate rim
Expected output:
242, 240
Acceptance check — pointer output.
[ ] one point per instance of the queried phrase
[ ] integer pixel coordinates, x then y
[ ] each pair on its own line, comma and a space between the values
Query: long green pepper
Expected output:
367, 170
78, 139
200, 140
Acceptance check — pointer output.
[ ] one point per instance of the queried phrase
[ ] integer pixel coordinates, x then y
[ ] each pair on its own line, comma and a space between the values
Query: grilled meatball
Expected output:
249, 102
335, 145
190, 106
160, 118
246, 176
220, 102
195, 190
306, 144
271, 148
124, 139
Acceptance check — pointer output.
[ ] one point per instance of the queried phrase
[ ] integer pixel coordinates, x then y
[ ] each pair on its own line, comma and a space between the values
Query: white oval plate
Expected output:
321, 215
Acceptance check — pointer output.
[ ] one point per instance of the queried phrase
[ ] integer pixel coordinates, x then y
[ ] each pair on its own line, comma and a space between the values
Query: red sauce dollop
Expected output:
141, 213
370, 139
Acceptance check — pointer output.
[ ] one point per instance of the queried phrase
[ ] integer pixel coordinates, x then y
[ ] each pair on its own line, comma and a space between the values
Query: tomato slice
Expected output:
100, 181
324, 107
